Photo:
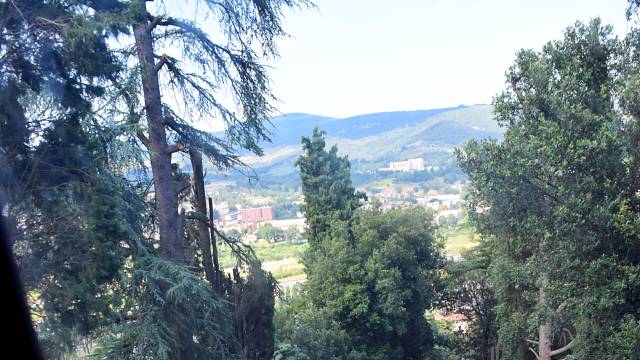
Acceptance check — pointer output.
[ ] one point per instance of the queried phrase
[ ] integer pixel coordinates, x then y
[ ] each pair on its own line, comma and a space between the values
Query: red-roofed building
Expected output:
255, 215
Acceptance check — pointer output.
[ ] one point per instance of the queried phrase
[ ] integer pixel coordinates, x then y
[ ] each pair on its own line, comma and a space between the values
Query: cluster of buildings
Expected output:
245, 217
250, 219
446, 202
405, 196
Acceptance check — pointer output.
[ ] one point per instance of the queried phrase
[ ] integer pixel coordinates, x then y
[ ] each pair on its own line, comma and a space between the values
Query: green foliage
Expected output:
293, 235
289, 352
305, 331
326, 185
57, 48
378, 286
171, 309
269, 232
286, 211
467, 292
370, 273
76, 215
80, 222
71, 127
450, 219
550, 200
253, 300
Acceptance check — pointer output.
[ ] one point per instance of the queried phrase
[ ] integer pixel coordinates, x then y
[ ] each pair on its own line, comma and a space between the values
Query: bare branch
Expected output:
534, 353
154, 21
143, 138
198, 216
562, 349
174, 148
163, 60
183, 185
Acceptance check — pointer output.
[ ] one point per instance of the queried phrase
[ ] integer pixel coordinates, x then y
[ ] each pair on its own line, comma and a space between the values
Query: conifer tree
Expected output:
195, 75
326, 185
67, 84
370, 273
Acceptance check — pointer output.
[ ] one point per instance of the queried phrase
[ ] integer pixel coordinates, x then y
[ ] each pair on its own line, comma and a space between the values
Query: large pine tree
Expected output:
84, 100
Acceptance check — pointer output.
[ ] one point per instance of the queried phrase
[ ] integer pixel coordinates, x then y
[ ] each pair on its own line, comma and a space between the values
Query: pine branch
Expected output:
217, 150
238, 70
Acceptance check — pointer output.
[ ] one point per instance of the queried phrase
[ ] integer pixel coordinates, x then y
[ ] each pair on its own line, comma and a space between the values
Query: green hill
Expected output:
433, 138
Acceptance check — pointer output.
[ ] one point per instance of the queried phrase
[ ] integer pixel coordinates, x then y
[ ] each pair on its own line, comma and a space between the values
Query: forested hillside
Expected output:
372, 141
289, 128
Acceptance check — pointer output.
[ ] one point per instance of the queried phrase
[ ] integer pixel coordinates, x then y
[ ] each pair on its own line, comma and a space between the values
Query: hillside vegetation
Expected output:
371, 141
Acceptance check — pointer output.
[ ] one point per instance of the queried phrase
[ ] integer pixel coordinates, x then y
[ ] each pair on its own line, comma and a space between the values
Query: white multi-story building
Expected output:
416, 164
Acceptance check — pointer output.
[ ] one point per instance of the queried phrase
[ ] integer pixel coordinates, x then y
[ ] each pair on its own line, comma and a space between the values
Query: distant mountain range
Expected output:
372, 140
289, 128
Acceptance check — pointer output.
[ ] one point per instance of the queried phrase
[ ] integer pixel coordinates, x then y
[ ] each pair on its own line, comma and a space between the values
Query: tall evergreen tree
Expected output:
250, 28
370, 272
177, 56
330, 202
58, 184
326, 185
72, 124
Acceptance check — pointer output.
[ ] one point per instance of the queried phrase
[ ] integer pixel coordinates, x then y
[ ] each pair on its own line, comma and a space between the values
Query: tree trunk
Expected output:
204, 239
544, 330
171, 245
216, 265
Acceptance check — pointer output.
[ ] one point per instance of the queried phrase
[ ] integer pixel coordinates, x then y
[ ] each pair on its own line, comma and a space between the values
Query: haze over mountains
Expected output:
372, 140
289, 127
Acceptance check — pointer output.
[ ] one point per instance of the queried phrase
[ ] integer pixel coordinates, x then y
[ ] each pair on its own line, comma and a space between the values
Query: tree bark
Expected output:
544, 329
204, 239
171, 245
214, 248
165, 188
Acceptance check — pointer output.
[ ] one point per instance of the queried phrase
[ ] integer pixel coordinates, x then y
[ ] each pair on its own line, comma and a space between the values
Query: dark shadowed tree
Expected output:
77, 106
467, 292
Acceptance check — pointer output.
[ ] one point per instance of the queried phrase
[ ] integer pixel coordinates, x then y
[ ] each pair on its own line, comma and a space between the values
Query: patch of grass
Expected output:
265, 252
288, 271
459, 238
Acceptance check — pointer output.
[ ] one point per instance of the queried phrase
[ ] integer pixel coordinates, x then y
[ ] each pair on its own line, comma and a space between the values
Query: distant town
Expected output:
255, 217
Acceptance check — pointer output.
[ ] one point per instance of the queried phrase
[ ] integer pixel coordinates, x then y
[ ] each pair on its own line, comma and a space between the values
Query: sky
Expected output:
350, 57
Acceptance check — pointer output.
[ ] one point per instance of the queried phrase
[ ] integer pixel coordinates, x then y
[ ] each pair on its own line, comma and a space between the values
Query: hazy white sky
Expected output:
352, 57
